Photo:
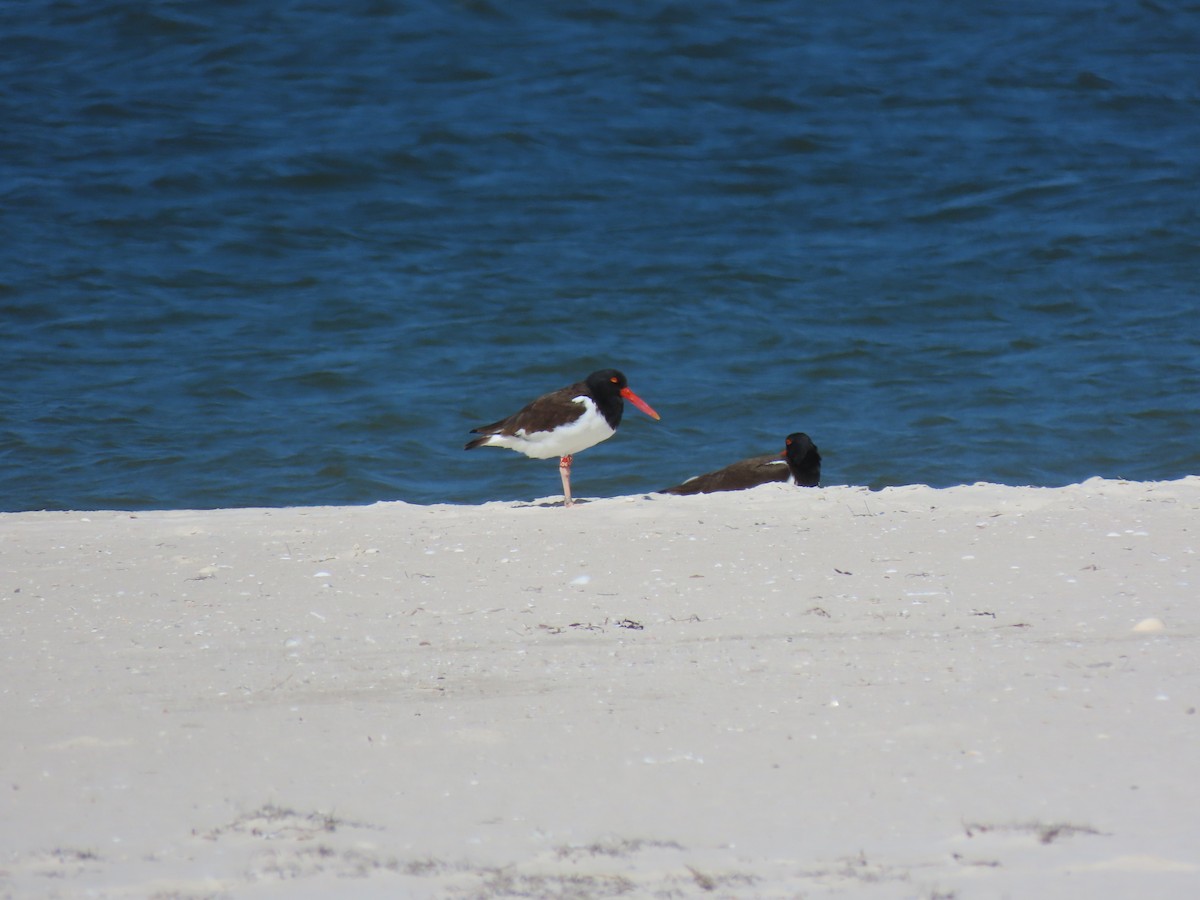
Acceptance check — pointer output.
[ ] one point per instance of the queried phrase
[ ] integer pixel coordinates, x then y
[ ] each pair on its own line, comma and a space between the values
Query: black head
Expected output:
610, 389
606, 383
803, 459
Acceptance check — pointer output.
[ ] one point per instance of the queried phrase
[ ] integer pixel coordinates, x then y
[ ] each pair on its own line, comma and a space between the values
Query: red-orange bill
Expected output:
639, 403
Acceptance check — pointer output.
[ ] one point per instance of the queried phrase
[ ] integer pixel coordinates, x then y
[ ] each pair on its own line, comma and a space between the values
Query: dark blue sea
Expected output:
289, 253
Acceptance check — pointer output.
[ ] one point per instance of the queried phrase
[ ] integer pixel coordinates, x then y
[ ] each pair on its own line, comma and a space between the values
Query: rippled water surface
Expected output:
290, 253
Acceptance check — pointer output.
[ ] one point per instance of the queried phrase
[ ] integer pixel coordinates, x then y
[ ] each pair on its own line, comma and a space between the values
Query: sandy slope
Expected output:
975, 692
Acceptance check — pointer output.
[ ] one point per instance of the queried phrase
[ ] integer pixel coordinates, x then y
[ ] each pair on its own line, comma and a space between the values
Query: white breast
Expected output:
588, 430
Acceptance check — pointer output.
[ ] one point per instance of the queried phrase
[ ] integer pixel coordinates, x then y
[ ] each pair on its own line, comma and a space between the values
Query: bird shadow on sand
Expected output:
547, 504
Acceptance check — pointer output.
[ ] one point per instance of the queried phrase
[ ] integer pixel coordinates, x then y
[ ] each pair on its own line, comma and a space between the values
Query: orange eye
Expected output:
613, 380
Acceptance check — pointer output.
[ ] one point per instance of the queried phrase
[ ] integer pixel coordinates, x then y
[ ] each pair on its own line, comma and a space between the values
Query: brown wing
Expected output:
736, 477
546, 412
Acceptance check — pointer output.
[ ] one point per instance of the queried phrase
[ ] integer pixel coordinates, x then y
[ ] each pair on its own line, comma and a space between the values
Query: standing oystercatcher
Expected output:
799, 462
565, 421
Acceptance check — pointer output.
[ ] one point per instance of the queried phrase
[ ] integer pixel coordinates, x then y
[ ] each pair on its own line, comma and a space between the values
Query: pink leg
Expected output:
564, 470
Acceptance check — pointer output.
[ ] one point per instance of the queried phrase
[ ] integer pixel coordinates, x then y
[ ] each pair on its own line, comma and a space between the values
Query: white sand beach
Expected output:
981, 691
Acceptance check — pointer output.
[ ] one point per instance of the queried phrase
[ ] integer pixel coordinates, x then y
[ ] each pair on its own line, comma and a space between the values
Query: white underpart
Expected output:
588, 430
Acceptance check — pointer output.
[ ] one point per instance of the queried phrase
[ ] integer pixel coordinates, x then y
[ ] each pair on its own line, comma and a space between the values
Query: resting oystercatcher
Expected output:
799, 462
565, 421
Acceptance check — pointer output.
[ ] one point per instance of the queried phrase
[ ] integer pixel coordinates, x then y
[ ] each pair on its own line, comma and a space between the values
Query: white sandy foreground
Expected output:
976, 692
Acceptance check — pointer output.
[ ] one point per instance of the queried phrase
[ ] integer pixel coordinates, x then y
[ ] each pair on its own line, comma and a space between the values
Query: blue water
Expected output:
290, 253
